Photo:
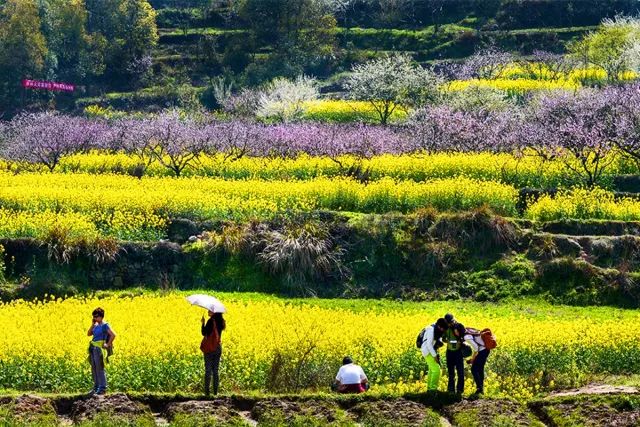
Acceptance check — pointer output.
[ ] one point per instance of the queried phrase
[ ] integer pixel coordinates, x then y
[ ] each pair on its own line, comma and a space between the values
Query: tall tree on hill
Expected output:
300, 31
76, 53
130, 27
22, 49
611, 47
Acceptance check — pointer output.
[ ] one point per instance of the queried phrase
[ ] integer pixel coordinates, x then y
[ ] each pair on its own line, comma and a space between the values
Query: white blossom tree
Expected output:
393, 82
285, 99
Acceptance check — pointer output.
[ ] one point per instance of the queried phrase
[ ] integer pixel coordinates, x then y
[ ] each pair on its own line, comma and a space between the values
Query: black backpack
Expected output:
437, 339
420, 338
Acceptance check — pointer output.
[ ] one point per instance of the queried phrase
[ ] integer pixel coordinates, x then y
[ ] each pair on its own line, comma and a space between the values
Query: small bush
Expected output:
576, 281
300, 253
479, 229
423, 219
63, 246
284, 100
507, 278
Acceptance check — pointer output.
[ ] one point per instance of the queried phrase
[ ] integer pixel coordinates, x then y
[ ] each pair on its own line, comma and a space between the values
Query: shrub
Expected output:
507, 278
300, 253
576, 281
479, 230
284, 100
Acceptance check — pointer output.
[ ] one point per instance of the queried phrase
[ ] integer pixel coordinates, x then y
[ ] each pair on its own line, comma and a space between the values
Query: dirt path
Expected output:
593, 403
596, 389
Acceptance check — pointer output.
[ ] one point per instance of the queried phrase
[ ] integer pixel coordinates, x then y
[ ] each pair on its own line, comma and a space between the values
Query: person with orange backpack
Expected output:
481, 343
211, 347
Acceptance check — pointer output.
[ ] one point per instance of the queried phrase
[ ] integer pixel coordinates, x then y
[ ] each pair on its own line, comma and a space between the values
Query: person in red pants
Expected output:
351, 378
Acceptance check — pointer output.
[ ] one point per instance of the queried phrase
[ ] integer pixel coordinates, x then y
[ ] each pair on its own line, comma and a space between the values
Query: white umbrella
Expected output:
208, 302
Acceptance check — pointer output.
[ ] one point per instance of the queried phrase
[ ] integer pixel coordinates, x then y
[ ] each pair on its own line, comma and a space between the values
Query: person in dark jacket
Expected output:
453, 339
212, 348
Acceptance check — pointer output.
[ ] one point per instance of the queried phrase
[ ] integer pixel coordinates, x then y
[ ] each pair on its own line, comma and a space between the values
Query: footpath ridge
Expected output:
591, 405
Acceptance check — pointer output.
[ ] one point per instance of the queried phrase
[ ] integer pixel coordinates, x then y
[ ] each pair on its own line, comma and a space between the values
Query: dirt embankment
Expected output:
594, 405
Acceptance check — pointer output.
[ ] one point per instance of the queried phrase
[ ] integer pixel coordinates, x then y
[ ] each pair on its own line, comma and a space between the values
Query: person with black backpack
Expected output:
211, 347
429, 340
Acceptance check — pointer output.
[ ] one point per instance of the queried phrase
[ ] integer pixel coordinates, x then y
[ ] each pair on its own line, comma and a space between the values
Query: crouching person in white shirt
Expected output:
477, 360
351, 378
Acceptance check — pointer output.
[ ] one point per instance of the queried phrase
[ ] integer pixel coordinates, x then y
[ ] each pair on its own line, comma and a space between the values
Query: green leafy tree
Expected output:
78, 54
130, 28
23, 48
302, 32
610, 47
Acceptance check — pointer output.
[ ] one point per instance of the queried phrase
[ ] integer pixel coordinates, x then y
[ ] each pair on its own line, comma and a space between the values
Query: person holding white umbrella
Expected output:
211, 344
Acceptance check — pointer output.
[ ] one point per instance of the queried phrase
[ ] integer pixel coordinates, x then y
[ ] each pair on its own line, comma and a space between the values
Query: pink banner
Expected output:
40, 84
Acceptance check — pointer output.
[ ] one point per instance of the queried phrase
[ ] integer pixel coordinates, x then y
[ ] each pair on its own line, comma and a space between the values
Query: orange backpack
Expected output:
485, 335
489, 339
211, 342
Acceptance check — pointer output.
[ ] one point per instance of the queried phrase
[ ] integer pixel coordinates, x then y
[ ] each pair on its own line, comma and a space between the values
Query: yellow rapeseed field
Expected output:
582, 203
538, 71
44, 344
521, 171
128, 208
341, 111
514, 86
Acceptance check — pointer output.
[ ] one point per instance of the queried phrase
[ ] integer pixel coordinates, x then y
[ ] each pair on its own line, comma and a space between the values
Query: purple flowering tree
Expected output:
178, 142
173, 141
136, 137
331, 140
486, 63
45, 138
442, 129
577, 129
625, 122
234, 139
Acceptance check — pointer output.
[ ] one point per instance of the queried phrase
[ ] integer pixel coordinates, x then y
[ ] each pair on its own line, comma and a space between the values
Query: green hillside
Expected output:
173, 50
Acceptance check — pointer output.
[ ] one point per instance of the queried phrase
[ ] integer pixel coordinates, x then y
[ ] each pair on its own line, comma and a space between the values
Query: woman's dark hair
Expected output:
98, 312
217, 317
442, 323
